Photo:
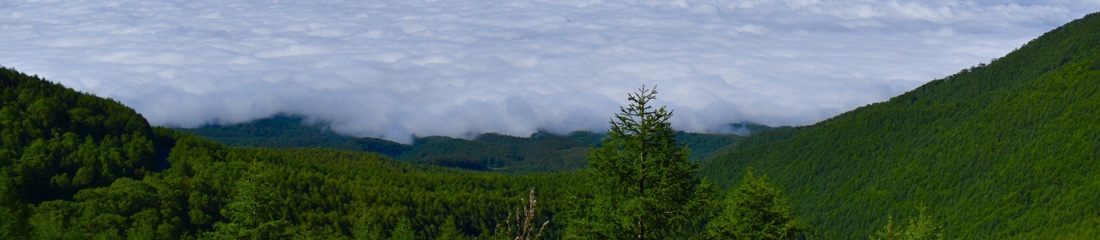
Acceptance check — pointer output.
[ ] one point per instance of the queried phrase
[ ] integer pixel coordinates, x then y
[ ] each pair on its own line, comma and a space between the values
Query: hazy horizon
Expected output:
395, 69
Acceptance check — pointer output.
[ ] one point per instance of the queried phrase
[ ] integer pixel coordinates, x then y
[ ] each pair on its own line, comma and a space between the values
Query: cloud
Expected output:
395, 69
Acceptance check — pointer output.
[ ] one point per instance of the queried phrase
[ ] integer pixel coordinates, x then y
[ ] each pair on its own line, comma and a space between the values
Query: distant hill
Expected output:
284, 131
1005, 150
540, 152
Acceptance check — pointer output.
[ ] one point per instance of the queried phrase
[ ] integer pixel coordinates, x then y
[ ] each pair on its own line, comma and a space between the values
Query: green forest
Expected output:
80, 177
540, 152
1004, 150
1009, 149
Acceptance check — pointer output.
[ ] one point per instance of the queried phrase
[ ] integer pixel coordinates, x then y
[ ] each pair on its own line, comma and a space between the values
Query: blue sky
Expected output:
397, 68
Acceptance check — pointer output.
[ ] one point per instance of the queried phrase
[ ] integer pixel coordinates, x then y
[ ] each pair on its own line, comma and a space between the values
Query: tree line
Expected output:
76, 166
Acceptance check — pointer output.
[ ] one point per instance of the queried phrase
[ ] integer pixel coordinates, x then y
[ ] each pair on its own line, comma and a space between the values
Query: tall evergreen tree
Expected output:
645, 186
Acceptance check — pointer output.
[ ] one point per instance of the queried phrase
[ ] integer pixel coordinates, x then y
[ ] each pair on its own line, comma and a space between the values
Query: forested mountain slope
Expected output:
540, 152
75, 166
1005, 150
55, 141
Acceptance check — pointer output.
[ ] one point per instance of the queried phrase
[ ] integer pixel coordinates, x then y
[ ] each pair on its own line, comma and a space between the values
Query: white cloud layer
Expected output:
402, 67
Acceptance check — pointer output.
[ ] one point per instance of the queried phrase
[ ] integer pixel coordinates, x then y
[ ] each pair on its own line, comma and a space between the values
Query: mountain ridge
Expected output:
992, 150
539, 152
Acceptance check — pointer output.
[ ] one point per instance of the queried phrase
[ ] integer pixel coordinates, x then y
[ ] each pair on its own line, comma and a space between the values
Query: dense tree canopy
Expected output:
921, 227
1005, 150
996, 151
55, 141
755, 210
77, 166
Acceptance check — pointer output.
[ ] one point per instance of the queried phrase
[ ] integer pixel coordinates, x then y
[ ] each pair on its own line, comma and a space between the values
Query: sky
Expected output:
399, 68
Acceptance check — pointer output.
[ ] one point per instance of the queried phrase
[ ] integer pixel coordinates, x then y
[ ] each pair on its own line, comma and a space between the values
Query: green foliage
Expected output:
451, 231
13, 215
705, 144
403, 231
644, 186
216, 192
1006, 150
55, 141
919, 228
255, 211
755, 210
367, 227
65, 180
540, 152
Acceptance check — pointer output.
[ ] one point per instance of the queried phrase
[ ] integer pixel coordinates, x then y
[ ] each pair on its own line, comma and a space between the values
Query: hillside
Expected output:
76, 166
1004, 150
284, 131
59, 140
540, 152
55, 141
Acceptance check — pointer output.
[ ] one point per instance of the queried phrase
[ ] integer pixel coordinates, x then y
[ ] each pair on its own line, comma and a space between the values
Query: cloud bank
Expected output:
400, 68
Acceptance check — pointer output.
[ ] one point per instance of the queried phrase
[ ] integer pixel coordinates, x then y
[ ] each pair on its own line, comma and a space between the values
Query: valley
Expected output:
1004, 150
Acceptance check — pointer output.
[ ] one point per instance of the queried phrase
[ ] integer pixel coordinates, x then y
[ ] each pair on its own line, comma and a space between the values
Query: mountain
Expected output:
284, 131
540, 152
55, 142
76, 166
1005, 150
59, 140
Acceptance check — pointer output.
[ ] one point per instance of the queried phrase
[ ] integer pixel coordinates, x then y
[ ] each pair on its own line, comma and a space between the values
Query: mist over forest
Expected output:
601, 119
394, 69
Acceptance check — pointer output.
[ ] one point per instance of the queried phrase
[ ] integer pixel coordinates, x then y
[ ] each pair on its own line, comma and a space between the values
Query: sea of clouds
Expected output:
398, 68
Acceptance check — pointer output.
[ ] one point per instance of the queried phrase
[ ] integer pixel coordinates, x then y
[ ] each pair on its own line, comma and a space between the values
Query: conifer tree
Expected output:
919, 228
755, 210
645, 188
450, 231
403, 230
